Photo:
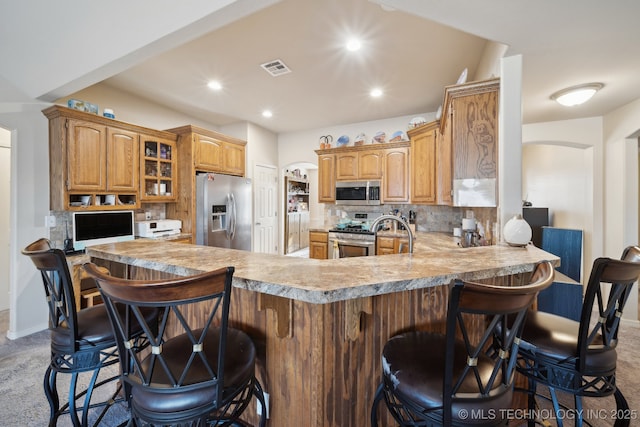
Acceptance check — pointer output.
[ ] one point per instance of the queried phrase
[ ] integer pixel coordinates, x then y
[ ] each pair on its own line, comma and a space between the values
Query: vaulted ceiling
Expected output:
411, 49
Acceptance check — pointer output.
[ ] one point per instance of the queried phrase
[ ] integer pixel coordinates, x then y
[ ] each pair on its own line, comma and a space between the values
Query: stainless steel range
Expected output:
354, 239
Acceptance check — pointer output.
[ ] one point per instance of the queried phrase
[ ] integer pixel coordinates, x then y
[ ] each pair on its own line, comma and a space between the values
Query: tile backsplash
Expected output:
428, 218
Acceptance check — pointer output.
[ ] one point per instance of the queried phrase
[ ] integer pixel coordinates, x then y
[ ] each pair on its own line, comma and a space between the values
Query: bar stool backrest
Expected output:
174, 299
607, 291
52, 264
504, 309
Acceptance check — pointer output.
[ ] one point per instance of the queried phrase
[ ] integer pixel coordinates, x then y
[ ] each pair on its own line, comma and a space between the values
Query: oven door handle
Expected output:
353, 242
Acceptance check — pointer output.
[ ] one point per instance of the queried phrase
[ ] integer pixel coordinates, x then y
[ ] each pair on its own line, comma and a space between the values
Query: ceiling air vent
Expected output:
276, 67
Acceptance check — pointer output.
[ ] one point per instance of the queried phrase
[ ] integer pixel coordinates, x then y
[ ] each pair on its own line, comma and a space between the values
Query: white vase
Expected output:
517, 231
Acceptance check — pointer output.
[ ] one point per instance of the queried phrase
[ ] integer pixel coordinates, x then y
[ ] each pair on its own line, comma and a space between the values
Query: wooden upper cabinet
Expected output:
234, 159
423, 163
123, 168
86, 156
395, 182
385, 162
212, 151
326, 178
208, 153
347, 166
370, 164
471, 111
158, 170
359, 165
93, 158
101, 158
444, 166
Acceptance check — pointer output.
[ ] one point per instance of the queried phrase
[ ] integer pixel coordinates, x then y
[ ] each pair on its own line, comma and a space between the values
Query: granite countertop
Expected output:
436, 260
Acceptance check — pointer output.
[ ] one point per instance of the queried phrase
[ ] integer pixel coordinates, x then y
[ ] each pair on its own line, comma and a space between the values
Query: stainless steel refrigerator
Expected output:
224, 213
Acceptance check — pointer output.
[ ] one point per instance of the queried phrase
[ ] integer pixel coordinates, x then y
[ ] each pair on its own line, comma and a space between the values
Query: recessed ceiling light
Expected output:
376, 93
214, 85
576, 95
353, 45
267, 113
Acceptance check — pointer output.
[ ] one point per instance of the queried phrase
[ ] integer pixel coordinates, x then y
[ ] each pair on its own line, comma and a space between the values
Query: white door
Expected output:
5, 173
265, 202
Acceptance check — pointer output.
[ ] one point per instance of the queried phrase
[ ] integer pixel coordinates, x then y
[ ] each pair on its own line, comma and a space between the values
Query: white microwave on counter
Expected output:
358, 193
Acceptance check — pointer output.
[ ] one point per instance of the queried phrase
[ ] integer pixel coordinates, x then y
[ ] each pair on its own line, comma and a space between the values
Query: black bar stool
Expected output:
81, 341
431, 379
192, 375
580, 357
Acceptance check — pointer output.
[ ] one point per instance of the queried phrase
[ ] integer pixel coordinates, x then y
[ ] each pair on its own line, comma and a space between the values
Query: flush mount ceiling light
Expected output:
214, 85
267, 113
576, 95
376, 93
354, 45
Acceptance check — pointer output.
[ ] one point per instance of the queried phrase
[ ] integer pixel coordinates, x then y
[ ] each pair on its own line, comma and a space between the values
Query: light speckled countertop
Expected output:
436, 261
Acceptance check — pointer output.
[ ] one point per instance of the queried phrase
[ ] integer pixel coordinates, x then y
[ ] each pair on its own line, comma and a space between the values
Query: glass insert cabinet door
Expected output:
158, 166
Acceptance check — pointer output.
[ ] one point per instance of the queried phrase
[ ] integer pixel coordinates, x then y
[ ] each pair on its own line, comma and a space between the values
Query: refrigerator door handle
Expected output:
227, 229
232, 220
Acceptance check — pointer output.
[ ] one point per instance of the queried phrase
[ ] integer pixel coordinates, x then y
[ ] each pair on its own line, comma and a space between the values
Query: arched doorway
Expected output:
299, 206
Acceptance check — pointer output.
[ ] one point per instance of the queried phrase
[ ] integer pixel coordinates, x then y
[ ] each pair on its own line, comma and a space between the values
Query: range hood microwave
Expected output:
358, 193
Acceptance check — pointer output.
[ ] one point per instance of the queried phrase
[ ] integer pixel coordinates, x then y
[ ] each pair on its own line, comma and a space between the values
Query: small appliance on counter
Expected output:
158, 228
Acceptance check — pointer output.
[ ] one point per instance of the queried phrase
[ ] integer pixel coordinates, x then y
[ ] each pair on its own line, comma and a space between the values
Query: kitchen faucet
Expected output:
374, 227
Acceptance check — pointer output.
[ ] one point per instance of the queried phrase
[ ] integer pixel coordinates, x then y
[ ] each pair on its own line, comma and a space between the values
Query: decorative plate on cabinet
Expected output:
379, 138
398, 136
417, 121
342, 141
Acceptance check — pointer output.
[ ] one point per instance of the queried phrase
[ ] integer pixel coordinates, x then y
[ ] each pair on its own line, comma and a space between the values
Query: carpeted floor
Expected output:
23, 362
22, 366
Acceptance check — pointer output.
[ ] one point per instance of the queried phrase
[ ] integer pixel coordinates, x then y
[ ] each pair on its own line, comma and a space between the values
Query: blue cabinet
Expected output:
564, 296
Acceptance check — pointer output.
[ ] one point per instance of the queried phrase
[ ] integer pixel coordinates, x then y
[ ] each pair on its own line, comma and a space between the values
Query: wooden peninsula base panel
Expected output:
319, 359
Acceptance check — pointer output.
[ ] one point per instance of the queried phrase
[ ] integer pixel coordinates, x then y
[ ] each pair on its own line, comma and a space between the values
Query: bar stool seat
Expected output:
423, 364
238, 369
556, 338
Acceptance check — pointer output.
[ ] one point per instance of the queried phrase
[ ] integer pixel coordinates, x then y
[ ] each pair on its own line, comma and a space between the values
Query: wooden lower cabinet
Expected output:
318, 241
391, 245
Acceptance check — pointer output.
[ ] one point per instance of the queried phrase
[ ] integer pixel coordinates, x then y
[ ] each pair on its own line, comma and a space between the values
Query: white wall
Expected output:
29, 205
610, 148
559, 177
621, 129
564, 172
131, 109
5, 194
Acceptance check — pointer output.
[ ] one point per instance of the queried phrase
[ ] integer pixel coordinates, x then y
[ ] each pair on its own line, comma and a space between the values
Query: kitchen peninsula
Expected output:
319, 325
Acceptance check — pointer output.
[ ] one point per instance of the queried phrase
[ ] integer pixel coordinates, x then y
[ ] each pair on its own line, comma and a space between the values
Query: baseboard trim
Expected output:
13, 335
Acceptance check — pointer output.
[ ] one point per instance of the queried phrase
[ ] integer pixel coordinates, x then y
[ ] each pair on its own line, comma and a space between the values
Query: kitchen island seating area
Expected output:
191, 376
431, 379
579, 358
82, 342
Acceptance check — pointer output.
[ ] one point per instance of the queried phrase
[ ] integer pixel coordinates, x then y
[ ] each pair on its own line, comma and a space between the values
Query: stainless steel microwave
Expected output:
358, 193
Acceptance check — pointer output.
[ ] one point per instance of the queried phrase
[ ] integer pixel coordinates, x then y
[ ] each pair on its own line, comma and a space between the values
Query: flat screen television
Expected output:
95, 228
